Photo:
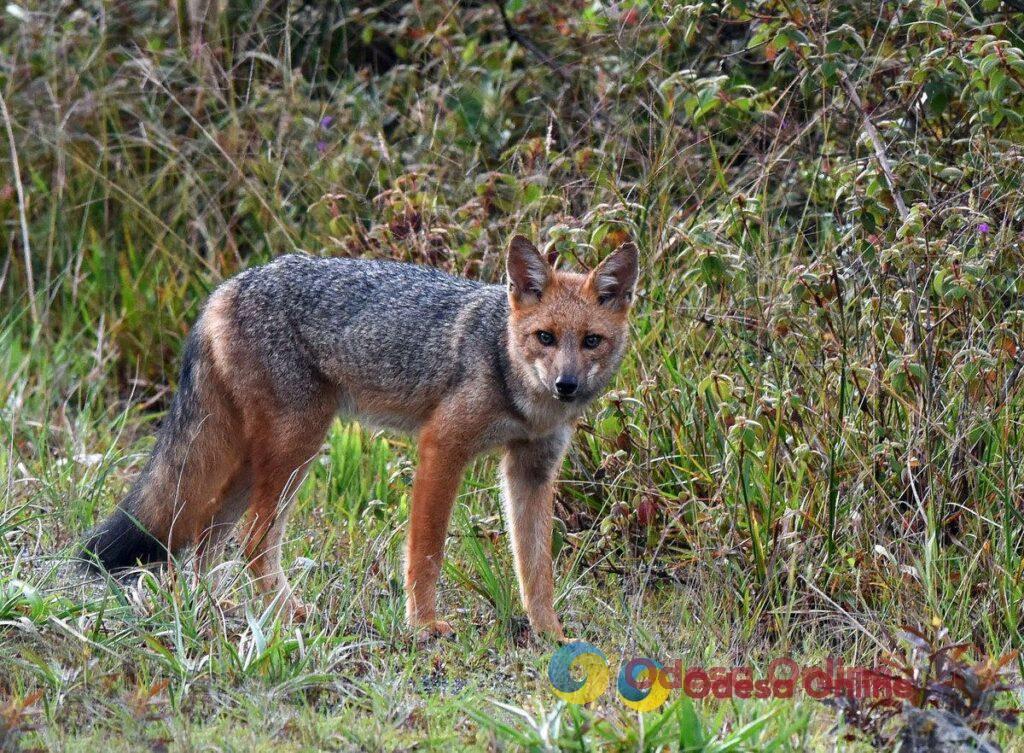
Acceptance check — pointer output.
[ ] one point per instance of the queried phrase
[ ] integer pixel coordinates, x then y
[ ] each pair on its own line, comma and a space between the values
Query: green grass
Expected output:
816, 437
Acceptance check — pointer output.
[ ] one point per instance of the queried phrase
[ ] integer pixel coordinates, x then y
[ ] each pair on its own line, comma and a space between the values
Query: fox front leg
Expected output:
528, 472
433, 493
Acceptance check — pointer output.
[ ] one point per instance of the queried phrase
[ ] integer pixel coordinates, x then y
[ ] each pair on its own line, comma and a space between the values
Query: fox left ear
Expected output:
613, 280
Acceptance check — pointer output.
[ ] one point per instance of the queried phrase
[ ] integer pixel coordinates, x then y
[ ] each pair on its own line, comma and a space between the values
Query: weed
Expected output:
815, 436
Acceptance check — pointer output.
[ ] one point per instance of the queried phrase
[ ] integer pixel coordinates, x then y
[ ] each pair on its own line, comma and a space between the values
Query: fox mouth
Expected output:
565, 398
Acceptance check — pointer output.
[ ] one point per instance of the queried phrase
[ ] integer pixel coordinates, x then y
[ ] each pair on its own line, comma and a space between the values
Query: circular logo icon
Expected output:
641, 685
589, 663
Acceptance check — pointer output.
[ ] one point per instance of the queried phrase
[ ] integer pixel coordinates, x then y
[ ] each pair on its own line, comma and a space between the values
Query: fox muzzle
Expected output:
566, 386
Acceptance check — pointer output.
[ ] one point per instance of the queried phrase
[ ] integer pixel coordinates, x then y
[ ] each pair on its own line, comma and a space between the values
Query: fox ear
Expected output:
613, 280
528, 272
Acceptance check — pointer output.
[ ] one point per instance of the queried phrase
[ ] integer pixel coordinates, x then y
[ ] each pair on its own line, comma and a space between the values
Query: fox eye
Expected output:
545, 337
591, 341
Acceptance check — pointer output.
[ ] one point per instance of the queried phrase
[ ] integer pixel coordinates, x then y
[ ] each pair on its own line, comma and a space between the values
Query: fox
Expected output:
278, 351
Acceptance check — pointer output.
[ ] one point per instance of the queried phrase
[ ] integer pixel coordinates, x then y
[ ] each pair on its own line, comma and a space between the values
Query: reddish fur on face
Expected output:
569, 306
568, 310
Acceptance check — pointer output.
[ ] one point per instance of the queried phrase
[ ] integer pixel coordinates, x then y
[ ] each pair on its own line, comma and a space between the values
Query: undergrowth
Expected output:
815, 439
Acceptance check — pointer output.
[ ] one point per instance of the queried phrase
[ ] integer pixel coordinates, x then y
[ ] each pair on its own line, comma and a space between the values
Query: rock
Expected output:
936, 731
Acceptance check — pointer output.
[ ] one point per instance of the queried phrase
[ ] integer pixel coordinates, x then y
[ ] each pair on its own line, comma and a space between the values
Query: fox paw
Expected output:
551, 629
555, 634
296, 611
434, 629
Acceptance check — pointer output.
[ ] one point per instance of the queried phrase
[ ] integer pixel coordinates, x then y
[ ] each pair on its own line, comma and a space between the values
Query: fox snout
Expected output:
566, 386
566, 363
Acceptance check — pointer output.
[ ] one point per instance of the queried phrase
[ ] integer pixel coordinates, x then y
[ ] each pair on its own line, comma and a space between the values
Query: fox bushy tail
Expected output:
140, 529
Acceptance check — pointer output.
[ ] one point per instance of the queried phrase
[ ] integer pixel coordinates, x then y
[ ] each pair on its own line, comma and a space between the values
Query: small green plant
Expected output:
487, 572
941, 677
678, 727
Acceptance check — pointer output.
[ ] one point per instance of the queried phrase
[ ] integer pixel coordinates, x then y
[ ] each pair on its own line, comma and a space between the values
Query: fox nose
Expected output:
566, 386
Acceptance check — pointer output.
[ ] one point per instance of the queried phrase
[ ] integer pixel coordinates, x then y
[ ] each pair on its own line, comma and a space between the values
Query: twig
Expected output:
516, 36
876, 144
25, 247
1009, 384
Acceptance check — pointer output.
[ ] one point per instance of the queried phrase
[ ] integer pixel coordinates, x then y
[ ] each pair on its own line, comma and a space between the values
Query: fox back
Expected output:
388, 338
393, 339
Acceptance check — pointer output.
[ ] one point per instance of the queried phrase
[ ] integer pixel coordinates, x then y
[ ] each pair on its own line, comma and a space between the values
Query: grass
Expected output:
814, 441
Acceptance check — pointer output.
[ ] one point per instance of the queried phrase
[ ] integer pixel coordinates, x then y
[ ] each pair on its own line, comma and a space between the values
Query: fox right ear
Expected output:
528, 272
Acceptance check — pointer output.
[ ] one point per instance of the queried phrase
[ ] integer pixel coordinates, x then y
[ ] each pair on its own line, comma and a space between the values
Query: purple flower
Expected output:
983, 228
321, 146
326, 120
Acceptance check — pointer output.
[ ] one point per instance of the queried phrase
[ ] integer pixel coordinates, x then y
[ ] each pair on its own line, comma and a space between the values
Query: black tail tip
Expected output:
118, 542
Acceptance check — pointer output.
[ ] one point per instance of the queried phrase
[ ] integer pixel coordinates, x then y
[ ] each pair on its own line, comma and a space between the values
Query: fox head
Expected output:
568, 331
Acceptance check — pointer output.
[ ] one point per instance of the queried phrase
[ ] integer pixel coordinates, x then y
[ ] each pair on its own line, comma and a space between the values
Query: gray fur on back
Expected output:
369, 329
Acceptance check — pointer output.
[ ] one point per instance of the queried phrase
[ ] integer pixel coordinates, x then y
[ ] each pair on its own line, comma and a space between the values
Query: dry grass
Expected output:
815, 440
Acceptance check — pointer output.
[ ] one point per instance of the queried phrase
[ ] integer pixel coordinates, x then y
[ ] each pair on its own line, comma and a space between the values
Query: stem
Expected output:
22, 217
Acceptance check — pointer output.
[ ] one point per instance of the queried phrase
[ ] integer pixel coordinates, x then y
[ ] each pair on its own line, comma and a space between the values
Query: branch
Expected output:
525, 42
1009, 384
876, 144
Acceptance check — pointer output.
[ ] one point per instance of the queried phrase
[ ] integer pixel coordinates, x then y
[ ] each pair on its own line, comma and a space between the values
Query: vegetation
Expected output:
816, 439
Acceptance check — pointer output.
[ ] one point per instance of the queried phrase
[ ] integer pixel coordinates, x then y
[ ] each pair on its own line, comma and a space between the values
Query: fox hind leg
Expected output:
233, 502
279, 464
